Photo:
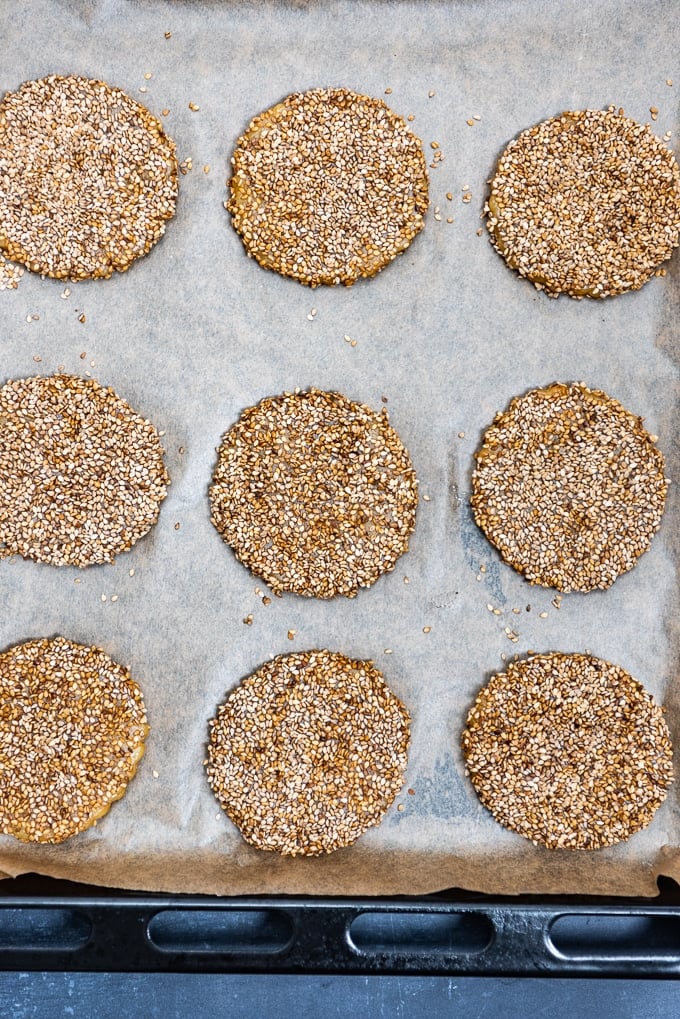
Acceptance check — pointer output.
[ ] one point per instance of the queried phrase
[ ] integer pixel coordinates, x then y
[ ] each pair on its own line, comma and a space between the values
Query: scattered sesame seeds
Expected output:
587, 204
72, 733
81, 474
569, 751
308, 752
194, 108
315, 493
90, 178
328, 186
569, 487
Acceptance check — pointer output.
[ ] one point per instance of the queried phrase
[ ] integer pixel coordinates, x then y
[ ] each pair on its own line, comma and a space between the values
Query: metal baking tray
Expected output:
48, 925
474, 56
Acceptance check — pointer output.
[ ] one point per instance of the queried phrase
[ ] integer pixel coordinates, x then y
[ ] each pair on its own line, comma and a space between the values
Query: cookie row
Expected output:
317, 495
310, 750
328, 186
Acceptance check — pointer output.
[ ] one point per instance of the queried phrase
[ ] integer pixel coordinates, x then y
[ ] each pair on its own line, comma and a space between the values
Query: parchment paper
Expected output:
196, 331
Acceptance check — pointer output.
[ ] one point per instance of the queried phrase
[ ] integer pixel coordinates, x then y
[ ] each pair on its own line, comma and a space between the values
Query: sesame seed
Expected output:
10, 275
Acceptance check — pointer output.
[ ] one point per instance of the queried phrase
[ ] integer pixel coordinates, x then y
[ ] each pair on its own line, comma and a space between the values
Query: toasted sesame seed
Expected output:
587, 204
10, 275
308, 752
72, 733
569, 751
569, 487
327, 228
91, 178
315, 493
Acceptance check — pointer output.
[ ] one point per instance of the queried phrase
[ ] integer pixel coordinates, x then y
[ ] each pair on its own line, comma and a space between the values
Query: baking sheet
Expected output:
196, 331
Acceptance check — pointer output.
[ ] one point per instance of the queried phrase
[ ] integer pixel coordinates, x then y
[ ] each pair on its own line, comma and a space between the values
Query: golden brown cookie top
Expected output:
72, 731
328, 186
315, 493
569, 751
90, 177
308, 752
569, 487
81, 474
586, 204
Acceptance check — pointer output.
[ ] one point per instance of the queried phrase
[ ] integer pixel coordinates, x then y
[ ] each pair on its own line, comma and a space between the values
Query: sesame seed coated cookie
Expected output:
308, 752
90, 178
72, 731
315, 494
569, 487
586, 204
328, 186
81, 474
569, 751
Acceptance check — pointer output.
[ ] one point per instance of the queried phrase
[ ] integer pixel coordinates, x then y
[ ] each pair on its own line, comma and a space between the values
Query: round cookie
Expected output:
569, 751
308, 752
585, 204
328, 186
81, 474
72, 731
90, 178
315, 493
569, 487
